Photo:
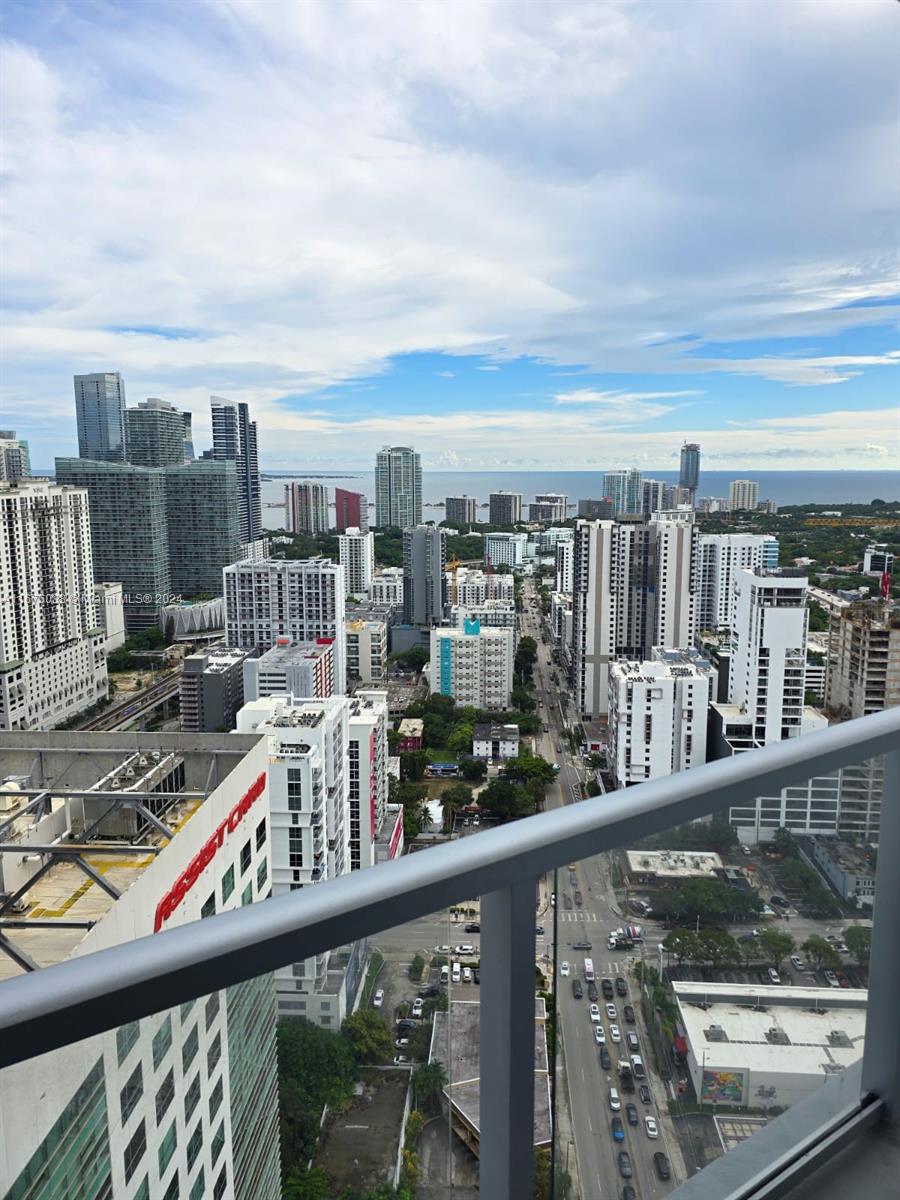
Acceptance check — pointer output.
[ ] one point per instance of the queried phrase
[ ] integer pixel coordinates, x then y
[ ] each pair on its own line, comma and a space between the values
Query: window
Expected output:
164, 1095
214, 1053
126, 1036
134, 1151
261, 834
171, 1192
246, 853
217, 1143
215, 1101
162, 1040
262, 872
247, 894
212, 1009
167, 1149
143, 1192
220, 1185
191, 1098
186, 1010
131, 1093
189, 1049
227, 883
209, 907
195, 1145
197, 1190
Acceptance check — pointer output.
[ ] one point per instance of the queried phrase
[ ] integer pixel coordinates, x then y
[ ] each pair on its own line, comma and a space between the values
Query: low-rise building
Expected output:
505, 549
387, 586
301, 669
212, 689
193, 620
848, 868
497, 614
367, 651
495, 743
411, 731
661, 868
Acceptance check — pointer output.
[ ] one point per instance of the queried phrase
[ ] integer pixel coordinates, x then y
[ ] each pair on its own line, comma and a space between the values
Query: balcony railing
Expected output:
49, 1008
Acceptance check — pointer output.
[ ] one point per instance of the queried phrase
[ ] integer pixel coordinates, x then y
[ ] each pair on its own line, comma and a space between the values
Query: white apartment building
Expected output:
387, 586
183, 1103
367, 651
110, 614
565, 560
743, 494
301, 599
52, 647
306, 508
357, 557
549, 507
677, 581
495, 614
721, 555
505, 549
14, 461
473, 665
626, 491
470, 587
657, 715
301, 669
878, 560
561, 617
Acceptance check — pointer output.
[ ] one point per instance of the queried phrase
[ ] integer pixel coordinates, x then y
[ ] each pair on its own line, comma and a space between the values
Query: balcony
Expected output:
842, 1137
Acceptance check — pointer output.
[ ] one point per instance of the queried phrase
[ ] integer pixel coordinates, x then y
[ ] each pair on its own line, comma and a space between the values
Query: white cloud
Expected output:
446, 374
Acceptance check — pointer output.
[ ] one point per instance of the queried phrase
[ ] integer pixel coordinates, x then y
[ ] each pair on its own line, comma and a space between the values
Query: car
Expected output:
418, 1005
612, 943
578, 899
467, 974
564, 969
628, 1012
607, 988
797, 963
841, 947
445, 974
567, 901
631, 1113
843, 981
611, 1012
637, 1066
378, 998
402, 1060
442, 949
401, 1041
746, 850
628, 1192
779, 901
614, 1033
832, 937
581, 946
595, 1012
651, 1128
577, 989
663, 1170
618, 1129
621, 986
405, 1024
573, 878
605, 1060
465, 948
456, 973
632, 1039
614, 1102
593, 994
476, 975
539, 930
774, 977
831, 979
625, 1168
473, 927
599, 1035
644, 1093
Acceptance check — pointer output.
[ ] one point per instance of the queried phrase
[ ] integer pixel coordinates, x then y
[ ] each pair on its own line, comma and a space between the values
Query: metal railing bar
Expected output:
99, 991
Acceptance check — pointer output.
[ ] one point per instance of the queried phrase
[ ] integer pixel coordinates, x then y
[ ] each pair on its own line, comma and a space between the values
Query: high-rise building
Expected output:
235, 440
301, 599
505, 508
424, 568
351, 511
565, 559
367, 651
154, 434
52, 649
625, 490
212, 689
863, 674
596, 510
203, 525
657, 715
655, 494
689, 475
387, 586
188, 445
743, 495
473, 665
357, 557
398, 487
721, 556
505, 549
100, 414
14, 461
548, 508
183, 1102
306, 508
460, 510
677, 546
301, 669
878, 560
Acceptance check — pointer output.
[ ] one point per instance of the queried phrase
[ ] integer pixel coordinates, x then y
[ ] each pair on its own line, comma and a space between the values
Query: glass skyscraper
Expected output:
234, 439
398, 487
100, 413
689, 476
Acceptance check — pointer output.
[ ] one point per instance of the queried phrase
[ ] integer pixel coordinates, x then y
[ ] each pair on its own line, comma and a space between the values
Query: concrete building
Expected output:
14, 460
100, 416
743, 495
398, 487
351, 511
755, 1046
235, 440
212, 689
470, 587
505, 549
625, 490
878, 560
387, 586
689, 473
187, 420
367, 651
108, 606
548, 508
460, 510
505, 508
596, 510
668, 868
863, 671
183, 1102
203, 531
565, 561
52, 649
496, 614
424, 574
195, 620
473, 665
154, 434
368, 814
677, 546
847, 868
495, 743
655, 496
306, 508
301, 669
721, 555
411, 731
561, 619
657, 715
356, 551
302, 599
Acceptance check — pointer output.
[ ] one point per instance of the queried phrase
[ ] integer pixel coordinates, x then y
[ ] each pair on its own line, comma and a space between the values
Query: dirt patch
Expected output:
359, 1146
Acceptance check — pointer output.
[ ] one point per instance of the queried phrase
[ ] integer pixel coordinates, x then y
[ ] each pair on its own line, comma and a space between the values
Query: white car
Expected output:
442, 949
599, 1035
378, 998
611, 1011
402, 1060
612, 944
467, 974
797, 963
465, 948
418, 1005
595, 1013
564, 970
401, 1042
774, 977
614, 1033
651, 1127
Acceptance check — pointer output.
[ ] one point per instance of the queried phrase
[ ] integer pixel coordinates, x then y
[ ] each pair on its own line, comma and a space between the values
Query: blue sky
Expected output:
551, 234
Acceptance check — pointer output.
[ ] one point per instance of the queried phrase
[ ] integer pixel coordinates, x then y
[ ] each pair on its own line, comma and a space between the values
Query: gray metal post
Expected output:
506, 1091
881, 1057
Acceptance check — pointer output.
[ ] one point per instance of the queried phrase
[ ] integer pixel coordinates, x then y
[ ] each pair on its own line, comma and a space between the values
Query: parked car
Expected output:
401, 1041
628, 1013
644, 1093
476, 974
621, 986
605, 1060
614, 1033
405, 1024
595, 1012
573, 878
631, 1113
663, 1170
651, 1127
402, 1060
465, 948
378, 998
539, 930
797, 963
564, 969
618, 1129
831, 979
599, 1035
456, 973
607, 987
431, 990
418, 1005
467, 974
473, 927
577, 989
611, 1011
625, 1168
746, 850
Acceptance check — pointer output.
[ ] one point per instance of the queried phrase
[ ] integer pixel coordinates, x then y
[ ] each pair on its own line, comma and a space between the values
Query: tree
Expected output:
784, 843
415, 1123
315, 1068
306, 1185
473, 769
428, 1081
435, 729
505, 800
459, 740
522, 700
717, 947
683, 943
859, 943
417, 967
416, 657
822, 953
455, 797
413, 764
711, 899
368, 1036
776, 946
529, 766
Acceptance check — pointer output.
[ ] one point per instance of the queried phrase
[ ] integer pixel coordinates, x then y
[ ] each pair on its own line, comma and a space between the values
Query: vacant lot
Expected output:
359, 1146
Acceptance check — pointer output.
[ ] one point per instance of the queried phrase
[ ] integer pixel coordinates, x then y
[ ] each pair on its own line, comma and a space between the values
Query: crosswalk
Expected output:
578, 916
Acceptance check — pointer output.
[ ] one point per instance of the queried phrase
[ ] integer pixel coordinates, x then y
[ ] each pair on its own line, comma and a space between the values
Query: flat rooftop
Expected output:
789, 1030
673, 864
278, 656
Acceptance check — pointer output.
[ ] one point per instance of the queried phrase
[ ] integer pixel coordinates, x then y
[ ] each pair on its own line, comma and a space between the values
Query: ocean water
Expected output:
784, 487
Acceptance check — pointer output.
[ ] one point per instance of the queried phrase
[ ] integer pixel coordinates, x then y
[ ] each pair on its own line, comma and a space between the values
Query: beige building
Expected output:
864, 659
367, 651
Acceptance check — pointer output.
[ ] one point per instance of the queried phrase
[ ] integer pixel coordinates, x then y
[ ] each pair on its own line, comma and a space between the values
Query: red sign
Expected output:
207, 853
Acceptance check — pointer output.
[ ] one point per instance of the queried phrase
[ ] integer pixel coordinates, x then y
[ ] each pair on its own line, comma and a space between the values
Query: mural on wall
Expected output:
722, 1087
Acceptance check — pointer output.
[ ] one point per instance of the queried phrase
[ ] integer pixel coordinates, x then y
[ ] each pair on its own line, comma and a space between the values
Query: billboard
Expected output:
722, 1087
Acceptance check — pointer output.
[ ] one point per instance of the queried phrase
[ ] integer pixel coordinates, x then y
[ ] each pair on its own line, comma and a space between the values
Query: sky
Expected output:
513, 235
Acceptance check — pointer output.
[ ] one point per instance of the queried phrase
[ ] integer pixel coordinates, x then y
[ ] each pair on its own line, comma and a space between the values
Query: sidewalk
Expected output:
566, 1150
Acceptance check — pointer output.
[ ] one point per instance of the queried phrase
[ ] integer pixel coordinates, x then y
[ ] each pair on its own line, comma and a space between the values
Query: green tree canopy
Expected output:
859, 942
315, 1068
821, 953
456, 796
505, 800
427, 1082
683, 944
413, 764
460, 738
776, 946
368, 1036
717, 947
473, 769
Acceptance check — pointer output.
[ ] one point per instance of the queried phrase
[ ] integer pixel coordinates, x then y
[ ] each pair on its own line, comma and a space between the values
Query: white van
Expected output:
457, 975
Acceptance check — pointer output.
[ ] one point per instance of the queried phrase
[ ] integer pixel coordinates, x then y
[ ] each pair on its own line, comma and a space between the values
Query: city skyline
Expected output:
718, 313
